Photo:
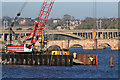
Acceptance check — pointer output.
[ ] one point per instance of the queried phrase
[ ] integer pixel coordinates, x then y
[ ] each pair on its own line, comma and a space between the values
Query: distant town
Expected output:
67, 22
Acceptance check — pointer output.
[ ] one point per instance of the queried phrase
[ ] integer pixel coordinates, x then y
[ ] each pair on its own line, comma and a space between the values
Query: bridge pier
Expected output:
3, 37
101, 35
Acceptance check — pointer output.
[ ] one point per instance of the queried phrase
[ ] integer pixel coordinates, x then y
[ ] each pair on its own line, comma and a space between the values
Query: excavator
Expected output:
36, 34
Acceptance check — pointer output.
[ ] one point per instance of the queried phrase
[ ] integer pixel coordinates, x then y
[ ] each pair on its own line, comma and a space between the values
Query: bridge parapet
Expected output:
76, 34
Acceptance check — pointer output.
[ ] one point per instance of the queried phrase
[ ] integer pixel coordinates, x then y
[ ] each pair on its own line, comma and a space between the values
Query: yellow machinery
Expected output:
60, 53
94, 35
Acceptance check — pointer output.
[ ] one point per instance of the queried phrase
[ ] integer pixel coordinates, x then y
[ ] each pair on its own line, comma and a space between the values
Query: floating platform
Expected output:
41, 60
84, 59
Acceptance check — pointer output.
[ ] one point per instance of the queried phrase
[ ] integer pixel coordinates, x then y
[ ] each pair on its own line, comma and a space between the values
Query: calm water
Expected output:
103, 69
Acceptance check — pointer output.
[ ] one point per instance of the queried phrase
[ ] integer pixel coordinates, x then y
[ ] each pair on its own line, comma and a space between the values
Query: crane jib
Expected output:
41, 21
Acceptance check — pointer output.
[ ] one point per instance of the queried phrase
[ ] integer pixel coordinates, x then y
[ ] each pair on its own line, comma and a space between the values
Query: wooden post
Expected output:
60, 58
17, 59
66, 58
36, 59
71, 60
12, 57
47, 60
40, 57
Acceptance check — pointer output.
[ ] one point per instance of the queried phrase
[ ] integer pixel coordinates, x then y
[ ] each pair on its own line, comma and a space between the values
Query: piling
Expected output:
42, 60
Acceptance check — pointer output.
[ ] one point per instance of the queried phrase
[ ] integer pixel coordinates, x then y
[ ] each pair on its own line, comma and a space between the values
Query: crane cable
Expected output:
94, 20
15, 19
94, 13
19, 13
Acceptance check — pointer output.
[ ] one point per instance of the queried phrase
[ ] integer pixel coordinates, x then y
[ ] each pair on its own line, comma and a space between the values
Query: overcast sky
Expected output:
79, 10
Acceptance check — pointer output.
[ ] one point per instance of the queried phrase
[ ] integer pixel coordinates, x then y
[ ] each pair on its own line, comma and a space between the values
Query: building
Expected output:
63, 28
56, 21
75, 22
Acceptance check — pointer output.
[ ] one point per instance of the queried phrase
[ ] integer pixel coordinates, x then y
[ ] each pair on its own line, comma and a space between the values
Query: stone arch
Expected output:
52, 46
19, 29
105, 45
76, 45
29, 29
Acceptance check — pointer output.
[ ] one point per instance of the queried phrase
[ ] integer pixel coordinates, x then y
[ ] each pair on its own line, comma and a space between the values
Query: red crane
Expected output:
35, 32
41, 21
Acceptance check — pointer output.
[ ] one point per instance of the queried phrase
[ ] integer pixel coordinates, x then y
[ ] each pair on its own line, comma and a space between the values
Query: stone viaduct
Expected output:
86, 44
84, 38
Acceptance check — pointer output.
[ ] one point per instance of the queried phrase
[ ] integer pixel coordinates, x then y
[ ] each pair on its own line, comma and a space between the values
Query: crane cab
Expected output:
28, 47
19, 48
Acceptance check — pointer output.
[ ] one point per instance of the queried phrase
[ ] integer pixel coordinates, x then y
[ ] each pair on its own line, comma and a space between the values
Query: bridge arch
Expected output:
54, 47
72, 36
19, 29
63, 36
105, 45
76, 45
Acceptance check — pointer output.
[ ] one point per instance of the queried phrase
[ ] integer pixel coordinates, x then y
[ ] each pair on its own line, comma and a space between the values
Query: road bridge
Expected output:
78, 34
84, 37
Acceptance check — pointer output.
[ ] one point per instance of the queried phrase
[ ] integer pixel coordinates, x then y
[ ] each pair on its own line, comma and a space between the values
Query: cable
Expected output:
94, 12
15, 19
19, 13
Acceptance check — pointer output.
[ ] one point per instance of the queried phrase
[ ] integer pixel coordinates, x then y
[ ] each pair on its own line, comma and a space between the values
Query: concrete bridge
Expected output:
77, 34
84, 37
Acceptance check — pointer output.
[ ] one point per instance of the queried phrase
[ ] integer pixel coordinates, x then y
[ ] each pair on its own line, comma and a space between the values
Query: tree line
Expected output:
86, 23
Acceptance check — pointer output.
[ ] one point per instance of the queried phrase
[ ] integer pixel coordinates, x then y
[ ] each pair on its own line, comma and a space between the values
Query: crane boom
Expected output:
41, 21
35, 32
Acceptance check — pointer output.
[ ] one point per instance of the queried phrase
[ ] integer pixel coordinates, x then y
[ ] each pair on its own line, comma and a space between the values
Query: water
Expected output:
103, 69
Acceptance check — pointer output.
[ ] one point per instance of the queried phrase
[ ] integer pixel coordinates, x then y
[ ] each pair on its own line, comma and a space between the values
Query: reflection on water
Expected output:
103, 69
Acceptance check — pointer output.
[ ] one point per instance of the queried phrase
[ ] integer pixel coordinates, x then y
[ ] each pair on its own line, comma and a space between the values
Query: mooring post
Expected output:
12, 56
43, 60
26, 59
17, 60
71, 60
31, 60
56, 61
47, 60
96, 59
14, 59
36, 59
111, 61
39, 59
60, 58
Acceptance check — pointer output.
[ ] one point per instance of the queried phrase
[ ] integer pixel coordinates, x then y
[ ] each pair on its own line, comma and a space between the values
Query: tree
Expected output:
66, 17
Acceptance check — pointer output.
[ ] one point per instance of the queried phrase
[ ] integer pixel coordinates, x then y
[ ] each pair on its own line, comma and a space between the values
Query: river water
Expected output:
102, 70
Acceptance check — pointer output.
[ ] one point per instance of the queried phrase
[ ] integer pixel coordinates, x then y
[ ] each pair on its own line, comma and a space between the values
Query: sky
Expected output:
62, 0
79, 10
